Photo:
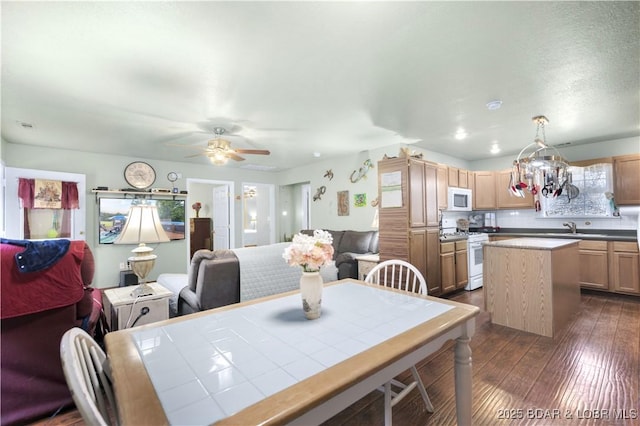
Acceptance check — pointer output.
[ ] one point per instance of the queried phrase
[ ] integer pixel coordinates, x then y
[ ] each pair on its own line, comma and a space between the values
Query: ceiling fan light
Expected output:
218, 159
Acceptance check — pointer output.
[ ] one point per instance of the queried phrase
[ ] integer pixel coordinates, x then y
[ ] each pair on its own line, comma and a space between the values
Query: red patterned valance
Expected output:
68, 197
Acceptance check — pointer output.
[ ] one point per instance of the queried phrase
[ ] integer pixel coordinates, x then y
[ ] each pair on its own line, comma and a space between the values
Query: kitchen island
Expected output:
531, 284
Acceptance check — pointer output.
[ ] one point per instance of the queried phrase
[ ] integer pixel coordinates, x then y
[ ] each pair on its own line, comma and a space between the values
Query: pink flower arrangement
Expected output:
196, 206
310, 252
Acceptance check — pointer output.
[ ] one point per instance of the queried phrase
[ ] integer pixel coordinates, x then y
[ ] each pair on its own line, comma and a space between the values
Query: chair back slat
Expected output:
86, 370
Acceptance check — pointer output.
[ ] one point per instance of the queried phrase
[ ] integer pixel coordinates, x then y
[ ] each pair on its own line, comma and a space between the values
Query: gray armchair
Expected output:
212, 282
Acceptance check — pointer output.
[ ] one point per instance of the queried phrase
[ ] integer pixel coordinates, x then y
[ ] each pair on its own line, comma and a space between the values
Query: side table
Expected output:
366, 263
124, 310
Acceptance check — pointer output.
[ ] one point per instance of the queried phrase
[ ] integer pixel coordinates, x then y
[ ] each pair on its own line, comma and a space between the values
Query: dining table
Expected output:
262, 362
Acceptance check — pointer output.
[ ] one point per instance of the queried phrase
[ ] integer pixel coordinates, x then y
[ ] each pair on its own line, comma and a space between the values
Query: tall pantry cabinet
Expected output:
408, 216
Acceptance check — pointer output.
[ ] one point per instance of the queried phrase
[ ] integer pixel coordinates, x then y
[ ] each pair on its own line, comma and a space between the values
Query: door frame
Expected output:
232, 216
271, 189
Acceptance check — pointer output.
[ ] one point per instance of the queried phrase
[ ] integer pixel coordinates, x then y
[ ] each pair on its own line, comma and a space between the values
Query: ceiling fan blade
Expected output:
234, 156
199, 146
252, 151
194, 155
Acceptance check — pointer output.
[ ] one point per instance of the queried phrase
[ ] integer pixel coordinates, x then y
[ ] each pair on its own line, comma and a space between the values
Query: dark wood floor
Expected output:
589, 374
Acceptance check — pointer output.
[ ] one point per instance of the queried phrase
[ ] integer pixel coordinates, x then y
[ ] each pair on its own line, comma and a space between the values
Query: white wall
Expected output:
107, 170
324, 212
628, 220
575, 153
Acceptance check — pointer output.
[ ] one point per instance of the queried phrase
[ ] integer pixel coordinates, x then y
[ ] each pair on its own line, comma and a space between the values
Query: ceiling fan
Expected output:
219, 150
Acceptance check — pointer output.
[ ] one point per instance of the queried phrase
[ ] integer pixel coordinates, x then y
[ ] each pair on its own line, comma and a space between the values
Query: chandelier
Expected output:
538, 164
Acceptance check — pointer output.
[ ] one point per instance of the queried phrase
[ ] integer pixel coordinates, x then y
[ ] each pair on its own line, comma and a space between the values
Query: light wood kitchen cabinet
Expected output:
453, 176
625, 267
594, 264
484, 194
424, 246
431, 198
458, 178
454, 271
443, 186
463, 179
410, 231
448, 266
417, 195
626, 173
462, 267
423, 193
505, 200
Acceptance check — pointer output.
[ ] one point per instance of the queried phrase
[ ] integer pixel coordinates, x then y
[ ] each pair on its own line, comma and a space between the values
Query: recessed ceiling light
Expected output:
494, 105
316, 154
460, 134
495, 149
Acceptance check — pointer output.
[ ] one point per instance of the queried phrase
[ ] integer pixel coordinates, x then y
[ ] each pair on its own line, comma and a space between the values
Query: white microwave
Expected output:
459, 200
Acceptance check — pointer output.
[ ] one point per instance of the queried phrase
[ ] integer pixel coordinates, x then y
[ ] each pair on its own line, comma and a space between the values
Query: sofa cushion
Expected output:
355, 242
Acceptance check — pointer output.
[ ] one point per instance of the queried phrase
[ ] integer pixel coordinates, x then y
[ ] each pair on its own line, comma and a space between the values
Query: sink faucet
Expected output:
571, 225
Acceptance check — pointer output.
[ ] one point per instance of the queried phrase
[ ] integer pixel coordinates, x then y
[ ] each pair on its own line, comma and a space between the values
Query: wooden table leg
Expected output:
463, 380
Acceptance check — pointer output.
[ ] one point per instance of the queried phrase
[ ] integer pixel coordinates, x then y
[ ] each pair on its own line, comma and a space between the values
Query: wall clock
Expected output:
139, 175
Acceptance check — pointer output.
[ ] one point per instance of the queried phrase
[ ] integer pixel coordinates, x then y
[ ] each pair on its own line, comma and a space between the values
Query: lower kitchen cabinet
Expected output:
423, 254
454, 272
448, 267
594, 264
625, 267
462, 264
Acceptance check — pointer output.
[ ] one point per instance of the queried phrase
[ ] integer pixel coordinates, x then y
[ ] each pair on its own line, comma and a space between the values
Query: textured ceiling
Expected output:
136, 78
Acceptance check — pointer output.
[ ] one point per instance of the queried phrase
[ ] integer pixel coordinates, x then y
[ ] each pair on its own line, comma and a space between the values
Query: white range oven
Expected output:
475, 257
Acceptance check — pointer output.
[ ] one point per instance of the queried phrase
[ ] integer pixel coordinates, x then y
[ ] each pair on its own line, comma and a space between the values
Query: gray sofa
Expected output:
347, 245
222, 277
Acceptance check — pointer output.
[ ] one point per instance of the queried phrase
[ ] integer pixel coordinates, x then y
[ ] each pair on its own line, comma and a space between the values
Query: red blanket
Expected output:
28, 293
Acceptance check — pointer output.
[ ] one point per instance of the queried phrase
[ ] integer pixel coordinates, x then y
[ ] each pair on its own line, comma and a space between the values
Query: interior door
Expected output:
221, 225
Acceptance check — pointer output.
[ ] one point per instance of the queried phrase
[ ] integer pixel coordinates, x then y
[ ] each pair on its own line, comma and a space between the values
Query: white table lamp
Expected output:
142, 227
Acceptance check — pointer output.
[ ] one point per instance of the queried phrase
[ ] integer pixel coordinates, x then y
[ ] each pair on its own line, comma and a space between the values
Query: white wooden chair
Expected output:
403, 276
88, 376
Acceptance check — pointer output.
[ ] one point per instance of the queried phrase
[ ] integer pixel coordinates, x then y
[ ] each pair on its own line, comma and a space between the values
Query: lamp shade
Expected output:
142, 226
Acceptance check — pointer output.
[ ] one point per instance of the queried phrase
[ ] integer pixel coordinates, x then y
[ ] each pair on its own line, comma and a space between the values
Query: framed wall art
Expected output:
343, 203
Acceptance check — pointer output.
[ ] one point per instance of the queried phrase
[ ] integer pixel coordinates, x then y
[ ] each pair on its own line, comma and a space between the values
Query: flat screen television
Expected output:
112, 215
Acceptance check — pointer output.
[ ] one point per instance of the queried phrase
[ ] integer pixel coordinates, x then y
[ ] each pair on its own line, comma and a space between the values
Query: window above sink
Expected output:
593, 184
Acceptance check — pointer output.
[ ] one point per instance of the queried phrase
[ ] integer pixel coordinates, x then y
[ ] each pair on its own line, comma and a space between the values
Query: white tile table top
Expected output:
213, 366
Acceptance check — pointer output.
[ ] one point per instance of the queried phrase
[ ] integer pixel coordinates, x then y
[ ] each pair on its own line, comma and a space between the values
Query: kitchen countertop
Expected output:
533, 243
598, 234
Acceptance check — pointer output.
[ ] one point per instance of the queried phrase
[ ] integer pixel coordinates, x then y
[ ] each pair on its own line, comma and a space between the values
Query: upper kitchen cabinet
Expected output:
442, 182
458, 178
484, 190
463, 179
423, 193
408, 215
626, 172
505, 199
